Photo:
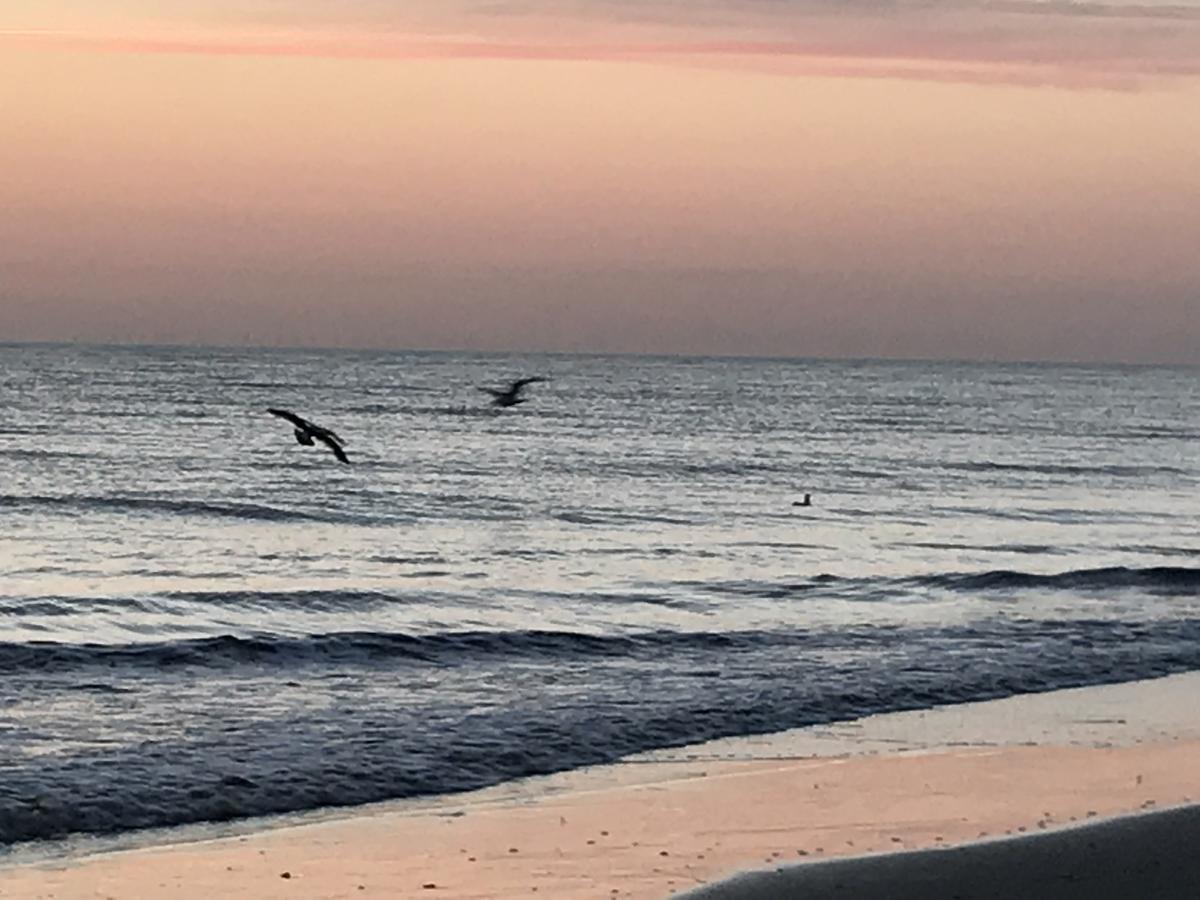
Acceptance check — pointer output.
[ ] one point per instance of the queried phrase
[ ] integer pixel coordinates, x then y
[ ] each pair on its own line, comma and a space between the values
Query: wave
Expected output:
478, 411
38, 453
279, 744
617, 517
310, 601
418, 560
1160, 581
678, 468
362, 647
1028, 549
1116, 471
1055, 514
448, 648
84, 504
1154, 580
1161, 550
1157, 580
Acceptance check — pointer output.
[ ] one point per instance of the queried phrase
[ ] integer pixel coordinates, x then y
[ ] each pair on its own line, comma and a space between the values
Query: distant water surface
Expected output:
201, 619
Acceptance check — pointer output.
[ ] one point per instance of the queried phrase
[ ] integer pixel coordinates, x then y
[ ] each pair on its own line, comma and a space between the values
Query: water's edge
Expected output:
1101, 715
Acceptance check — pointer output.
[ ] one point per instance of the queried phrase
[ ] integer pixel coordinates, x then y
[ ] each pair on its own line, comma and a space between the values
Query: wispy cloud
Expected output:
1017, 41
1166, 11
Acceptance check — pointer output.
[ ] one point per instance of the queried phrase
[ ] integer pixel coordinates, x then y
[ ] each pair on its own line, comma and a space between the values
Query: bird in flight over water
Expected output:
306, 432
514, 393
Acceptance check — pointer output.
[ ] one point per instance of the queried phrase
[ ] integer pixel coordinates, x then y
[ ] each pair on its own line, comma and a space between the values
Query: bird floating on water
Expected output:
807, 501
514, 393
306, 432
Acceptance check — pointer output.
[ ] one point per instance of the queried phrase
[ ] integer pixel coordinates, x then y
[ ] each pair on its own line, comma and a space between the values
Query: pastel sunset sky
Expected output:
1016, 179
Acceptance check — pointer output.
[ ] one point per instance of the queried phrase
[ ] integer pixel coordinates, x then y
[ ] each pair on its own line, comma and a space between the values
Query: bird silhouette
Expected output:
514, 393
306, 432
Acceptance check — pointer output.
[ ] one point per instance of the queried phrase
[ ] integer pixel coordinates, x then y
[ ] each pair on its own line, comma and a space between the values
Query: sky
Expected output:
1015, 179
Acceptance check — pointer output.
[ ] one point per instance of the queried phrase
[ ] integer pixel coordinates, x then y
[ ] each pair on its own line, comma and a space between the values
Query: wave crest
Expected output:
84, 504
1154, 579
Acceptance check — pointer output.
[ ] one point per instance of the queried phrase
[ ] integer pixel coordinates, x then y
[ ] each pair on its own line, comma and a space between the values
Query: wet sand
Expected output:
1152, 855
675, 820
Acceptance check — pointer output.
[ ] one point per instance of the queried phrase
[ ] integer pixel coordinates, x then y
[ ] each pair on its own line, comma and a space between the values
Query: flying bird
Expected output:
306, 432
514, 393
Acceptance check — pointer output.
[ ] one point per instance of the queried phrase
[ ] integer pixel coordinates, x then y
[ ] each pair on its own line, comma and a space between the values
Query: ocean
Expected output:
202, 620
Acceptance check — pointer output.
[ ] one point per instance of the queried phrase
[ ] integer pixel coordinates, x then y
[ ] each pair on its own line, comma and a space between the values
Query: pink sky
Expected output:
992, 180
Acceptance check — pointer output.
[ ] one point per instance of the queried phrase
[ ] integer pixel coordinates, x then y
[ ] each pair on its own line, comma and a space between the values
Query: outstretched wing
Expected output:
330, 440
520, 383
300, 423
494, 392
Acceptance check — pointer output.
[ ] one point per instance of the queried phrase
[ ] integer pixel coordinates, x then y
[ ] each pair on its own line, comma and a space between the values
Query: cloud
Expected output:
1170, 11
1077, 44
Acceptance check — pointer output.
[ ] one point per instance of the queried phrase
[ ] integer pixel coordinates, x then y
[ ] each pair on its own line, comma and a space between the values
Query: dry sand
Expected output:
669, 822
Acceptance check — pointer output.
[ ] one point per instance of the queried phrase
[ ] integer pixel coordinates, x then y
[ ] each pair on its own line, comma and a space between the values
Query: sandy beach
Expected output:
671, 821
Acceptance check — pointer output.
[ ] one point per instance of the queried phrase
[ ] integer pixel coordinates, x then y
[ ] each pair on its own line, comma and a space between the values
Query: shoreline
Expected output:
669, 820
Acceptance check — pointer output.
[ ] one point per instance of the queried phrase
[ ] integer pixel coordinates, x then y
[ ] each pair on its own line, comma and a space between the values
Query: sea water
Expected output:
203, 620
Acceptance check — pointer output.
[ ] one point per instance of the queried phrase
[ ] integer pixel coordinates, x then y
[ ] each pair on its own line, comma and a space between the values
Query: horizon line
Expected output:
635, 354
